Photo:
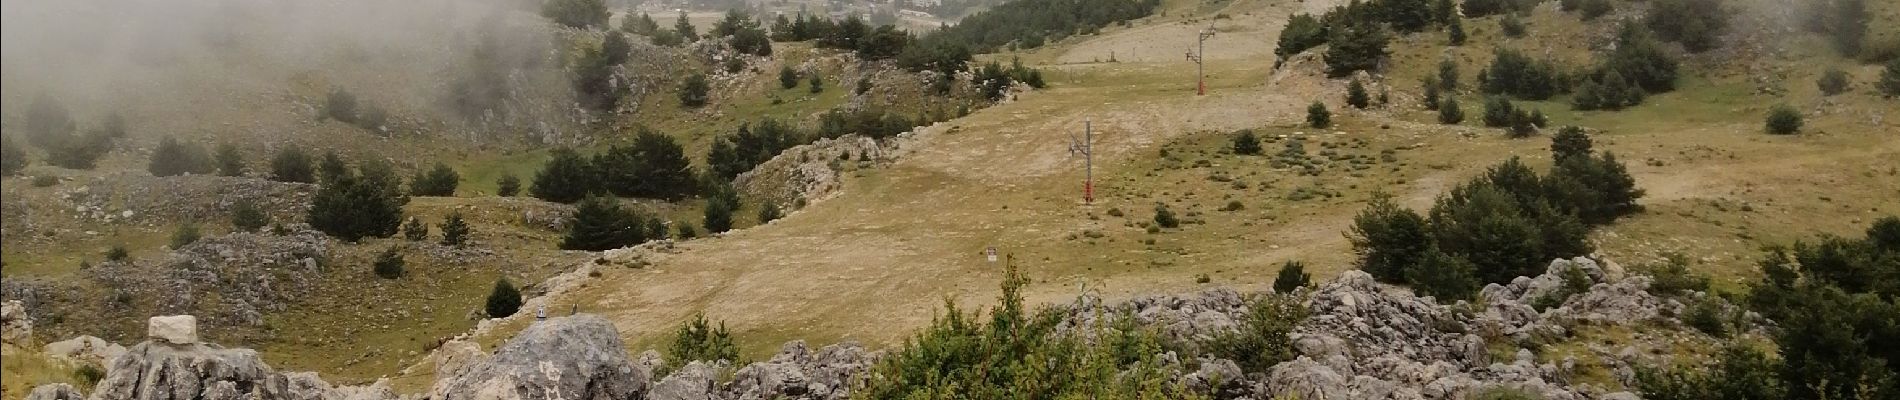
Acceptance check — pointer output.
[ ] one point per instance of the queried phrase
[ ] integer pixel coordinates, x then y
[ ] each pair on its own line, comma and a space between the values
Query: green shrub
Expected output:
1783, 120
1570, 141
1317, 116
1512, 26
507, 186
768, 212
1245, 143
230, 161
1890, 78
697, 340
1388, 239
1706, 315
1696, 24
1592, 9
415, 230
1672, 277
12, 159
89, 375
354, 206
117, 253
1450, 113
1262, 339
1455, 32
654, 166
504, 300
439, 181
1639, 58
566, 178
1498, 112
1445, 277
1833, 82
292, 165
599, 223
455, 231
963, 354
1356, 95
580, 14
787, 78
1513, 73
389, 265
185, 235
173, 158
693, 91
1355, 47
817, 83
1301, 32
1165, 218
687, 232
1292, 277
1740, 372
718, 216
247, 217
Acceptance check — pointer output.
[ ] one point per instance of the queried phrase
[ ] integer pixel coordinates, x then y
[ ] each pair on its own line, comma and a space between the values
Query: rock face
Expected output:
810, 173
15, 325
86, 349
577, 358
55, 391
174, 329
229, 280
161, 371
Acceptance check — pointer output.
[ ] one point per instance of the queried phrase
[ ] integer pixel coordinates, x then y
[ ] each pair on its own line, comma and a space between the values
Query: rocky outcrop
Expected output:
230, 280
55, 391
160, 371
85, 349
15, 325
812, 172
578, 357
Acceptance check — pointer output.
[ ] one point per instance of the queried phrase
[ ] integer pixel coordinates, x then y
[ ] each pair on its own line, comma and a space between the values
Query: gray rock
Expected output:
174, 329
86, 349
55, 391
15, 325
578, 358
695, 381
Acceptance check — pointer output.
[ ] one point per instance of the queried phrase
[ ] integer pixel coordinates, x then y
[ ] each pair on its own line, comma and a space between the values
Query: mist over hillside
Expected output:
169, 65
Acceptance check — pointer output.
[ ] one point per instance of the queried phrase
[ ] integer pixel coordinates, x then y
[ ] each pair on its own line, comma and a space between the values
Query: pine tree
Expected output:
1317, 116
1245, 143
787, 78
693, 91
1448, 75
389, 265
1457, 31
354, 206
579, 14
455, 231
1408, 16
230, 162
1498, 112
600, 223
718, 216
1890, 78
439, 181
1292, 277
1445, 277
247, 217
685, 29
12, 159
1450, 113
817, 83
654, 166
1569, 142
1356, 95
173, 158
644, 25
1358, 47
1431, 96
415, 230
566, 178
331, 168
1445, 11
507, 186
504, 300
292, 165
1388, 239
